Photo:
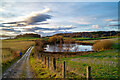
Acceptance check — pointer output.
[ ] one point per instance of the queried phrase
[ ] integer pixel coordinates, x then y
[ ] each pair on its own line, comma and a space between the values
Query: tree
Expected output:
39, 46
55, 39
60, 40
68, 43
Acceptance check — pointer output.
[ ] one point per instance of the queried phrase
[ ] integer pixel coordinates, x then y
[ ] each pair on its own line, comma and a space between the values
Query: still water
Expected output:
68, 48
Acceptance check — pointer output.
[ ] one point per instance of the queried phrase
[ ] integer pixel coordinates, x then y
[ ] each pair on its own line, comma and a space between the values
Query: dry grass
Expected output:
11, 49
102, 45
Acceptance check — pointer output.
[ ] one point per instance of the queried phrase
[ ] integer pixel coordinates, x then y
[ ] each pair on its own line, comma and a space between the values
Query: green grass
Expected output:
116, 46
46, 38
82, 39
39, 69
103, 64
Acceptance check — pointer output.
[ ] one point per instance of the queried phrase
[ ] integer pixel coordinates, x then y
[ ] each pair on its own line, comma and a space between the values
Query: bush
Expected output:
39, 45
97, 41
102, 45
55, 39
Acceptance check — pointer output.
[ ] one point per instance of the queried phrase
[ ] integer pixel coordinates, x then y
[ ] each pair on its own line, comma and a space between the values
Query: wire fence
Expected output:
61, 69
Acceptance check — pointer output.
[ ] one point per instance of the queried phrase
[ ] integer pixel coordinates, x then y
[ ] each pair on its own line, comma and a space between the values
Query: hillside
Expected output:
28, 35
90, 34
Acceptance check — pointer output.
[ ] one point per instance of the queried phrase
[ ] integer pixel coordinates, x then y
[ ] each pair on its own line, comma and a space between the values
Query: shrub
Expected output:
102, 45
39, 45
54, 39
97, 41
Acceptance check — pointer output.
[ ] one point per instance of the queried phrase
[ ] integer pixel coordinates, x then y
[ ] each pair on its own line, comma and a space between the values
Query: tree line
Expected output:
90, 34
28, 35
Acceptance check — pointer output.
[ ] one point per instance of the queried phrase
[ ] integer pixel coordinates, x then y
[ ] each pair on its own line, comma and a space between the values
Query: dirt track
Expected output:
20, 68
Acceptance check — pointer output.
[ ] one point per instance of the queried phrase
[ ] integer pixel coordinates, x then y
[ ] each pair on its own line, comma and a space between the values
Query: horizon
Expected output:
56, 34
48, 18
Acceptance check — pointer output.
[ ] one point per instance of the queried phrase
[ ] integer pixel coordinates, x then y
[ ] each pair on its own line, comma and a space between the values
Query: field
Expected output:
11, 50
83, 39
104, 64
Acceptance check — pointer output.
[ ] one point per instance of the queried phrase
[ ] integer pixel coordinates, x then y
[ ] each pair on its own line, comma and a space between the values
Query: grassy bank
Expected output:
39, 69
42, 71
9, 63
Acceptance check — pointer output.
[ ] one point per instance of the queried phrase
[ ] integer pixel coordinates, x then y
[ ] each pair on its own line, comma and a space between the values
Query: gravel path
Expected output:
17, 69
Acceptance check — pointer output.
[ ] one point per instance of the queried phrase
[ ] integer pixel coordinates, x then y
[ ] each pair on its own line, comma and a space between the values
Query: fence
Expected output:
59, 68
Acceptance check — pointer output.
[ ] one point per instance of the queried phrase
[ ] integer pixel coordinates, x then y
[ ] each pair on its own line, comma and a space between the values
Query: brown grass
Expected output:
102, 45
11, 49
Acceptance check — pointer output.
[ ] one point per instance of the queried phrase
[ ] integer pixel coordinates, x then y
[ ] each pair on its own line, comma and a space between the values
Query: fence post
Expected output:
41, 58
48, 62
40, 55
54, 64
45, 60
64, 69
88, 74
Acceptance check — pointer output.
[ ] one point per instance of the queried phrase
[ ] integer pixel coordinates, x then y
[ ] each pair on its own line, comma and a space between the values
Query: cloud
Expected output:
96, 26
110, 20
113, 22
1, 9
8, 33
81, 22
67, 27
50, 30
10, 30
33, 18
37, 18
44, 30
114, 25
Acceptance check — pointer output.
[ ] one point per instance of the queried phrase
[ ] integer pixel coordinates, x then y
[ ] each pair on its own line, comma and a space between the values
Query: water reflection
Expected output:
68, 48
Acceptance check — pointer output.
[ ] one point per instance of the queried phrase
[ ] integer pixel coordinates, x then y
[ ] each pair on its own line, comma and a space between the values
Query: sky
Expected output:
49, 18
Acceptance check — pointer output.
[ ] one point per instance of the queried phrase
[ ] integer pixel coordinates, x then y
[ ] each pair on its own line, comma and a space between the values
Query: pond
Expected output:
68, 48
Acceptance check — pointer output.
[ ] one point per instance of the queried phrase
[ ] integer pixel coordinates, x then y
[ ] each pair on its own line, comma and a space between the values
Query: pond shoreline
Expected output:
77, 42
64, 54
70, 53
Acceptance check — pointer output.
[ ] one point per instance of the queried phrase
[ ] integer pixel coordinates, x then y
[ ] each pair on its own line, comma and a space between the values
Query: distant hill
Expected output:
29, 35
90, 34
